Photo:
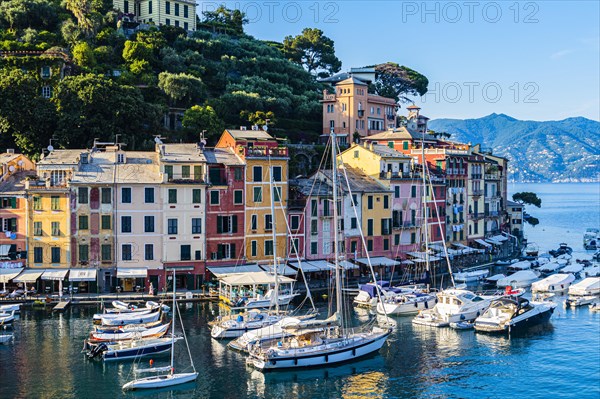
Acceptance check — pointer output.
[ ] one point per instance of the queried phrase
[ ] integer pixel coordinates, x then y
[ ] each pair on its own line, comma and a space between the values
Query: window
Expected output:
56, 229
369, 245
149, 195
37, 203
386, 202
294, 245
196, 196
257, 194
106, 252
126, 7
168, 21
276, 194
353, 246
185, 12
214, 197
171, 226
314, 247
169, 168
106, 194
353, 223
148, 252
413, 191
84, 253
185, 252
150, 7
276, 173
237, 174
196, 225
257, 173
83, 222
386, 244
46, 91
198, 172
313, 208
126, 252
369, 227
227, 224
176, 21
38, 254
268, 247
253, 248
46, 72
385, 227
172, 196
148, 224
253, 222
396, 239
370, 202
268, 222
125, 224
185, 171
37, 228
396, 191
198, 255
105, 222
413, 238
55, 255
168, 7
313, 227
225, 251
176, 9
55, 203
126, 195
238, 197
295, 222
82, 195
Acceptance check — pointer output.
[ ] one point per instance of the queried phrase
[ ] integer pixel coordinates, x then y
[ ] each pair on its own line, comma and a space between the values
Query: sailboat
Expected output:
320, 342
171, 378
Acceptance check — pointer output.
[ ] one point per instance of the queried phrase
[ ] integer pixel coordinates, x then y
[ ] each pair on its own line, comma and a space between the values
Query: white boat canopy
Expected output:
29, 276
132, 272
254, 278
481, 242
8, 274
4, 250
378, 261
82, 275
219, 271
55, 274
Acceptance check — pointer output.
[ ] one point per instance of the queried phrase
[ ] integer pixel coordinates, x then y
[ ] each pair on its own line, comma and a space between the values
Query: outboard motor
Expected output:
98, 350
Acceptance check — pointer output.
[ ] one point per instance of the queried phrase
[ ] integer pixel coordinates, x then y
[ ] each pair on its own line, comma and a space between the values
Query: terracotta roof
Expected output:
6, 157
15, 184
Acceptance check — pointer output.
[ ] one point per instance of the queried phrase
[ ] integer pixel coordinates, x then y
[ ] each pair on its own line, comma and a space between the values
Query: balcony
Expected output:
476, 176
263, 152
492, 176
187, 179
396, 175
491, 214
477, 193
326, 214
361, 113
475, 216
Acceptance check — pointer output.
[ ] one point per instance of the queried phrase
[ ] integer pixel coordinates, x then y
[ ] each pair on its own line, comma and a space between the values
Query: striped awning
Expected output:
28, 276
55, 274
8, 274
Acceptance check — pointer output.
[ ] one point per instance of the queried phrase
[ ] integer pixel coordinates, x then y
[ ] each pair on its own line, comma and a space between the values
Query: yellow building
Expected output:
179, 13
266, 161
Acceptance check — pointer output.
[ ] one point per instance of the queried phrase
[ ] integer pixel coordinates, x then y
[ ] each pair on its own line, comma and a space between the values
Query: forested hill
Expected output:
566, 150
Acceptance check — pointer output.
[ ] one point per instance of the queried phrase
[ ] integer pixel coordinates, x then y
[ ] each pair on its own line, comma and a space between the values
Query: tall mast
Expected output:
272, 196
424, 198
338, 277
173, 326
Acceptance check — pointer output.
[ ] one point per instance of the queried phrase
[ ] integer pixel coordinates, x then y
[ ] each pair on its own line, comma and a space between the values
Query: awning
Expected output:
312, 266
481, 242
8, 274
219, 271
82, 275
254, 278
4, 250
499, 238
407, 262
282, 270
491, 241
437, 247
132, 272
420, 257
348, 265
55, 274
323, 265
378, 261
29, 276
465, 249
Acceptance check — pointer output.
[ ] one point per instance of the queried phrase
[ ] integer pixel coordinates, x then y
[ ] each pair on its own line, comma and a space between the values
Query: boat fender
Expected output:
478, 313
416, 305
426, 305
462, 316
436, 300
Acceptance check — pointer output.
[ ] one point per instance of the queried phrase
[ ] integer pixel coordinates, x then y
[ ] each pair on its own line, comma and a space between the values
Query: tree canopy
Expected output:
528, 198
397, 81
314, 51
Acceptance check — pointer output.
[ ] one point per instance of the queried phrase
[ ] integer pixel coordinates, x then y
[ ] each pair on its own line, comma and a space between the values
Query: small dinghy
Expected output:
7, 318
462, 325
16, 307
595, 307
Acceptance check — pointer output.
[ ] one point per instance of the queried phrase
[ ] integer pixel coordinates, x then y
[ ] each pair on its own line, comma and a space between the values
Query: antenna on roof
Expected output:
158, 139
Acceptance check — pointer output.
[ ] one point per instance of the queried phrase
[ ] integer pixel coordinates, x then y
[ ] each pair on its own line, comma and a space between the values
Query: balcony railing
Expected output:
187, 179
492, 176
326, 214
476, 176
476, 193
396, 175
260, 152
491, 214
475, 216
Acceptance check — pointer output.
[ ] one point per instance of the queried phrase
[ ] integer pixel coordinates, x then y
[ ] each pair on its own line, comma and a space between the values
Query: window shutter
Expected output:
219, 224
234, 224
13, 202
232, 250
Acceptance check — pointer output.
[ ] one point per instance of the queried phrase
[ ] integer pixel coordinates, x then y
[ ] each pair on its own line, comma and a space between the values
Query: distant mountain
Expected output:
567, 150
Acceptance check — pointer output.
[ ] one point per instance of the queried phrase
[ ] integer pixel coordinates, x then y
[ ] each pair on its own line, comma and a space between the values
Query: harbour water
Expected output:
560, 359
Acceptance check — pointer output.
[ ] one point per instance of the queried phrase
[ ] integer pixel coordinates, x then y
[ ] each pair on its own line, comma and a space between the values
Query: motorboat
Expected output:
236, 325
131, 349
170, 378
563, 248
471, 276
129, 327
509, 314
7, 318
253, 337
15, 307
590, 271
573, 268
555, 283
454, 306
155, 305
268, 300
97, 318
129, 332
553, 266
591, 239
130, 318
493, 280
123, 307
531, 249
406, 304
368, 297
522, 265
521, 279
587, 286
505, 262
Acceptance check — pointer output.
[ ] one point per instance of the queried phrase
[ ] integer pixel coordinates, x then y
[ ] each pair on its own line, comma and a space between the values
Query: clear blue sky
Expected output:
531, 60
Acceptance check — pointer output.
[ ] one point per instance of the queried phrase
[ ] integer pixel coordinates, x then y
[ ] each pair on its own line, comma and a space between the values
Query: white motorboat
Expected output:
130, 318
236, 325
553, 266
590, 271
508, 314
580, 300
406, 304
556, 283
268, 300
493, 280
15, 307
115, 313
156, 305
521, 279
129, 332
261, 335
522, 265
368, 293
587, 286
591, 239
454, 306
573, 268
7, 318
171, 378
471, 276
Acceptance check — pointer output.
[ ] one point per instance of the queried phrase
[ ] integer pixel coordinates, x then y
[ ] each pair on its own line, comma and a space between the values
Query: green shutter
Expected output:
13, 202
234, 224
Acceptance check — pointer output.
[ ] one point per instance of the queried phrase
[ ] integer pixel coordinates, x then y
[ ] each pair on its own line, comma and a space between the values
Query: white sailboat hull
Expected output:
406, 308
255, 303
160, 381
323, 355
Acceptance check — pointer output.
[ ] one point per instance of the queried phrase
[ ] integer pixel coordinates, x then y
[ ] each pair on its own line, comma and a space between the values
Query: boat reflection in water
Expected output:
359, 378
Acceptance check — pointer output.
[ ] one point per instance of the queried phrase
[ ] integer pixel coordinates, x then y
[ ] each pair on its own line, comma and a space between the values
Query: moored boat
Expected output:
521, 279
509, 314
556, 283
130, 318
406, 304
7, 318
15, 307
132, 349
471, 276
125, 333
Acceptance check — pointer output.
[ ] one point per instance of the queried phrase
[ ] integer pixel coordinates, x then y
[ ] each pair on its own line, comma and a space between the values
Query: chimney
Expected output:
10, 150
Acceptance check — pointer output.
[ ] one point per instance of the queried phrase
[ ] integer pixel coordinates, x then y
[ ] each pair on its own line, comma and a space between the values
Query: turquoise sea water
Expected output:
557, 360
